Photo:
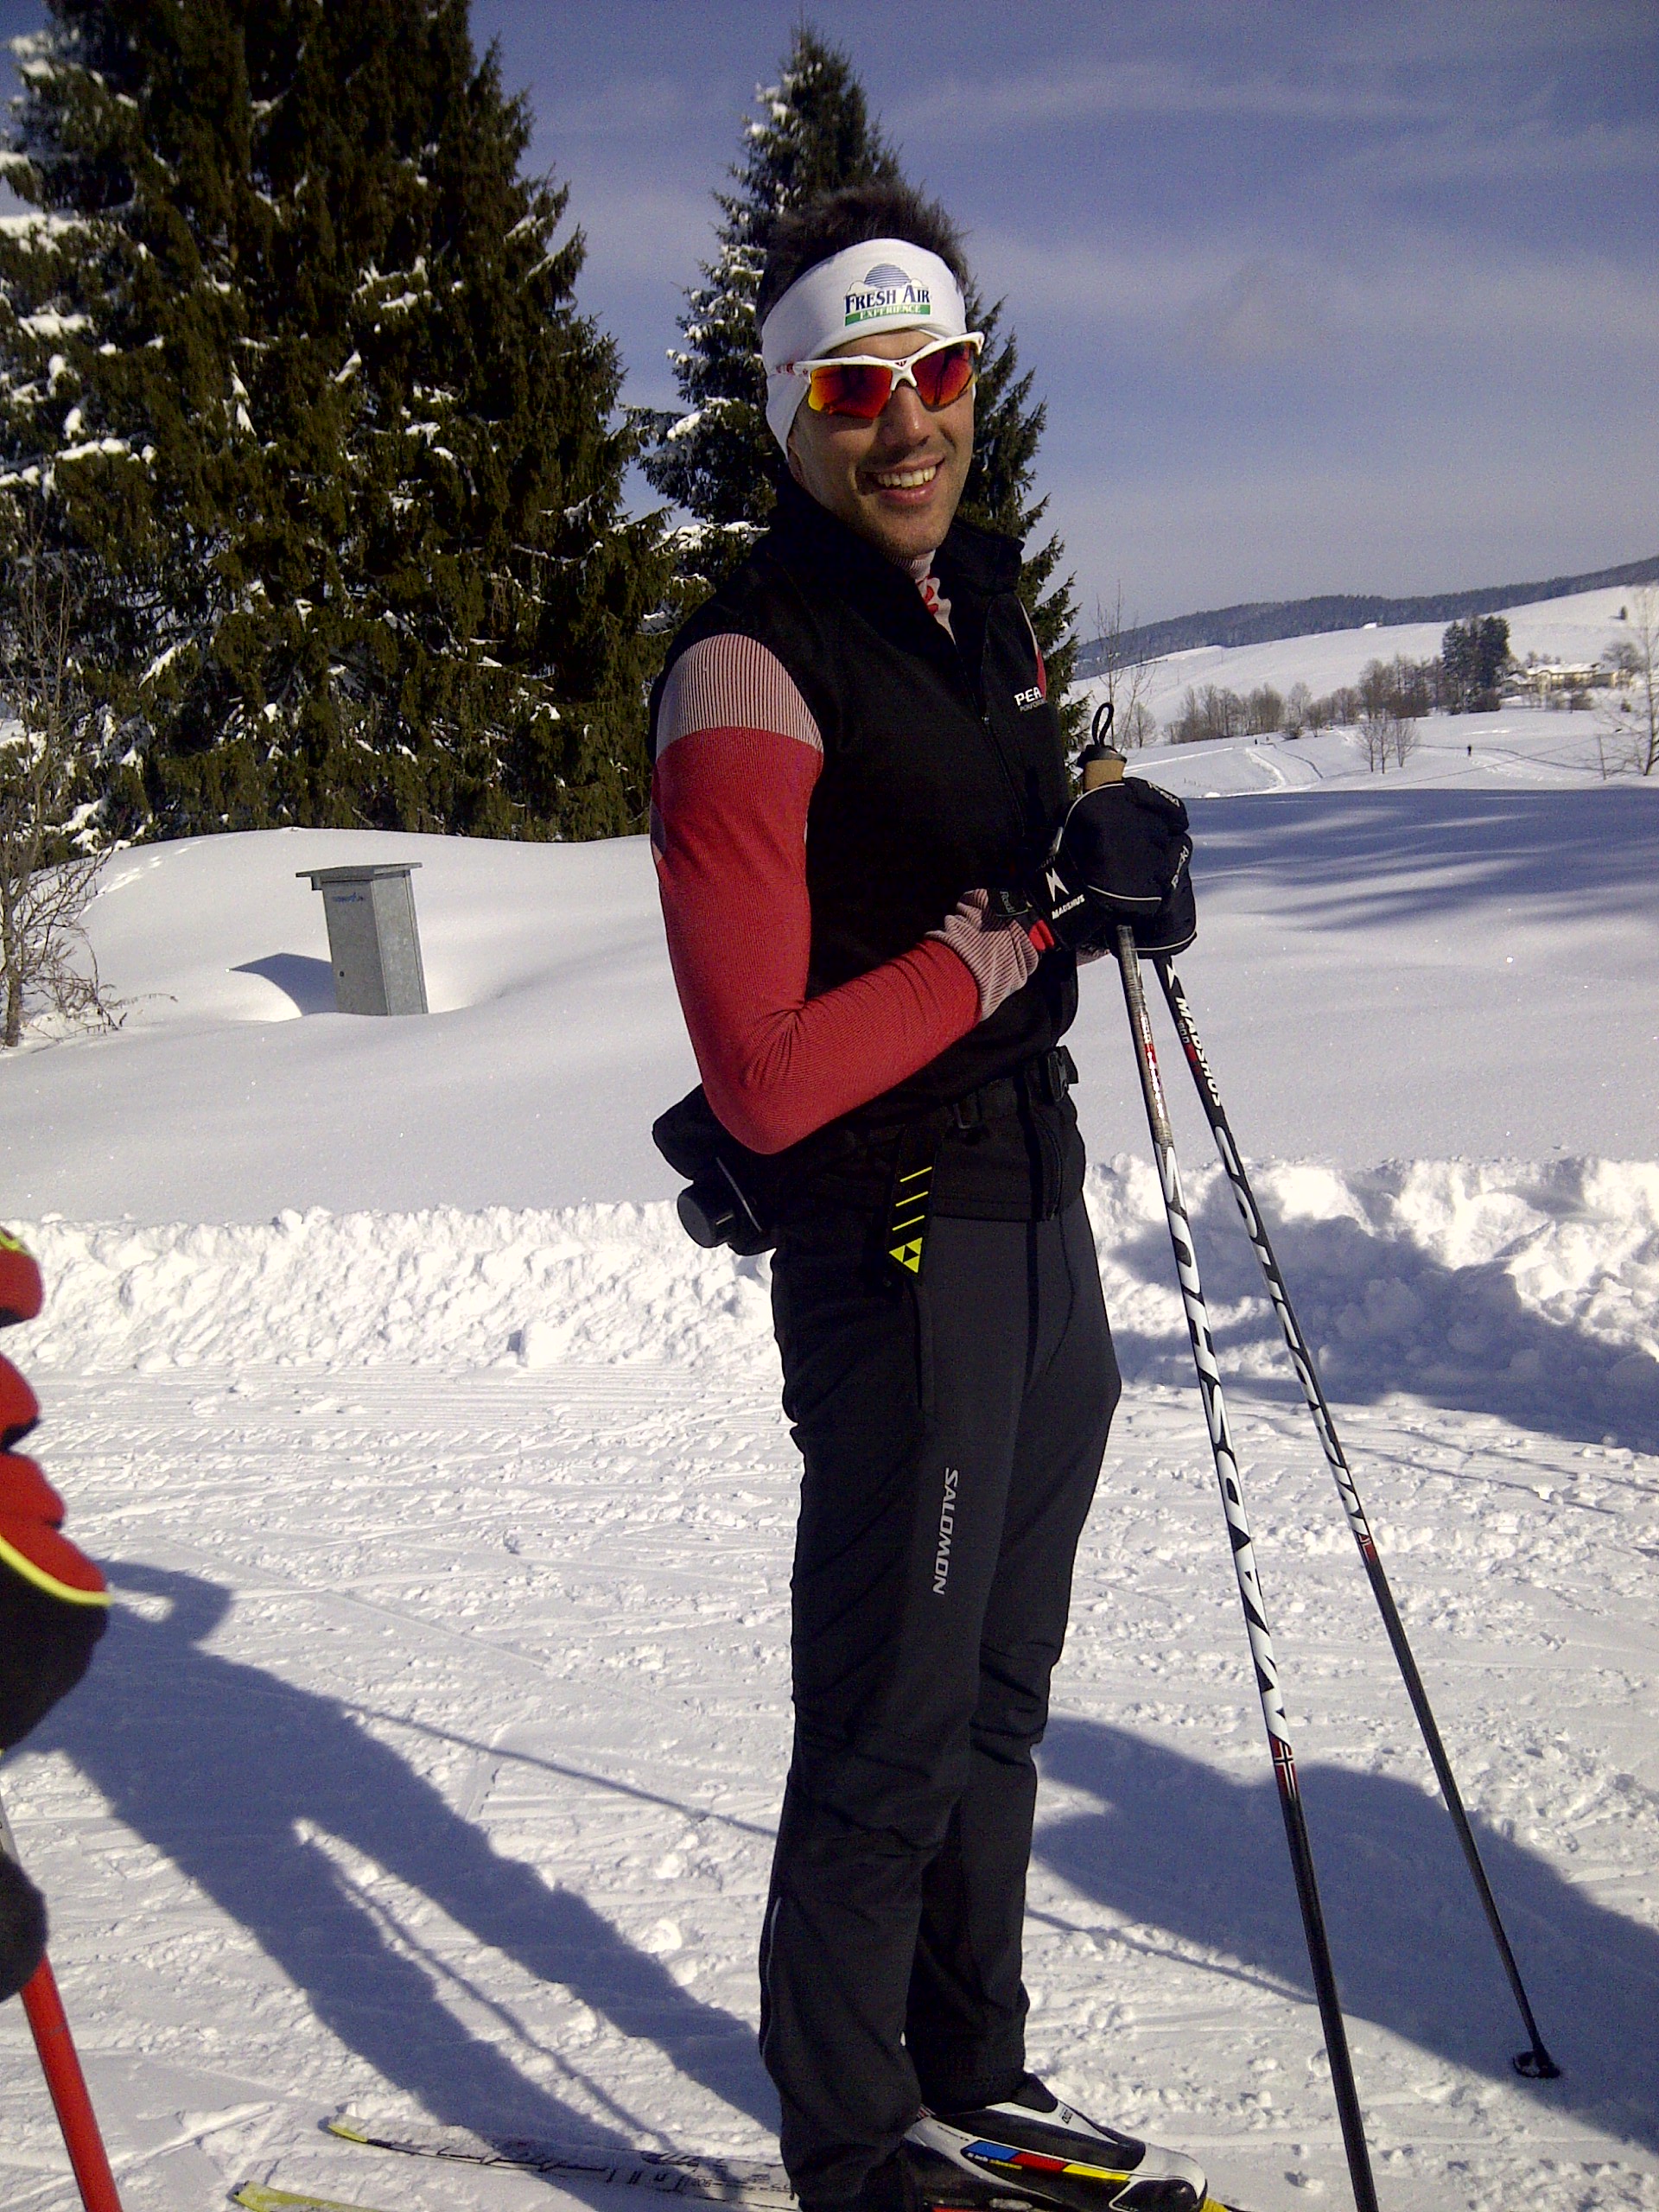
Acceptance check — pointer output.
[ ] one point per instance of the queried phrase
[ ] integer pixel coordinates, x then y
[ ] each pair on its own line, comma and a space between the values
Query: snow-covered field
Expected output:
1577, 629
431, 1761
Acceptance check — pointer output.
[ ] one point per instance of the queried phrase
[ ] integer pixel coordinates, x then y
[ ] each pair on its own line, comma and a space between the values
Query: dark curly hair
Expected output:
801, 237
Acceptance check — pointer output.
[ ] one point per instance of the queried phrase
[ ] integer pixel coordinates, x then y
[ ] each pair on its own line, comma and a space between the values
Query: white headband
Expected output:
887, 285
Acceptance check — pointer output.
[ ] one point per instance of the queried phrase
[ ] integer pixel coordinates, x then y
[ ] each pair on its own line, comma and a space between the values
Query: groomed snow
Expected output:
431, 1761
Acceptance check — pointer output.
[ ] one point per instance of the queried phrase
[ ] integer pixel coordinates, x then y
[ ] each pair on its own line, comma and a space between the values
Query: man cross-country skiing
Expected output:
859, 779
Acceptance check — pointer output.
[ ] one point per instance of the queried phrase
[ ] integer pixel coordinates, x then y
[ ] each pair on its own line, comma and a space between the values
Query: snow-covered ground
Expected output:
431, 1760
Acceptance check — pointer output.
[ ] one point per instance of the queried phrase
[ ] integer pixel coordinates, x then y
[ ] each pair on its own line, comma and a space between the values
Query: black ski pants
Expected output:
952, 1430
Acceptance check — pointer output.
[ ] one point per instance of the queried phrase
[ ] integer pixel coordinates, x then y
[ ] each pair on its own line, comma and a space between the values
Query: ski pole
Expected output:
1250, 1587
50, 2026
1536, 2064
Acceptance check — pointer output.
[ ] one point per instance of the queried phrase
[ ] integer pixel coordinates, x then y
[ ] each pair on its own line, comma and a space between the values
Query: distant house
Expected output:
1548, 682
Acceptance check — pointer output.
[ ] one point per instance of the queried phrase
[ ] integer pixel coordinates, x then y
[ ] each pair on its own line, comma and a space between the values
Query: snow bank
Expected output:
1530, 1291
1380, 973
594, 1283
1505, 1283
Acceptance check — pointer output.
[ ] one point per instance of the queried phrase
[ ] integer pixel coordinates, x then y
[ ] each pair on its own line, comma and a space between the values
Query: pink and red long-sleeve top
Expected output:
739, 755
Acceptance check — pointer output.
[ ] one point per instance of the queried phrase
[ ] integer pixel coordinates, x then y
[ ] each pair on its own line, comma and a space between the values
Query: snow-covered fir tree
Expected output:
718, 461
291, 347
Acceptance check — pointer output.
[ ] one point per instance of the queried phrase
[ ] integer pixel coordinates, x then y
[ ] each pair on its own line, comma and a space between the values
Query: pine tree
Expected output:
719, 460
293, 350
1473, 655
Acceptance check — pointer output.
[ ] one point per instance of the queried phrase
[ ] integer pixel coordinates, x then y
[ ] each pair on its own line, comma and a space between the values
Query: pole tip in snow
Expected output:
1536, 2065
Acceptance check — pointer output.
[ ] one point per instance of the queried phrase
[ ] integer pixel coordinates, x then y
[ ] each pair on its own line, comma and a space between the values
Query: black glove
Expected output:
22, 1927
1122, 855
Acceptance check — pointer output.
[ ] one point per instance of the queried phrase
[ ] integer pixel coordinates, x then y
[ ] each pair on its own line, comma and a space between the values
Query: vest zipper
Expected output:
994, 742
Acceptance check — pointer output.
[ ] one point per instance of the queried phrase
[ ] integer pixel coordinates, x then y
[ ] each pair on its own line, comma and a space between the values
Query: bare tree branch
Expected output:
50, 851
1125, 672
1628, 721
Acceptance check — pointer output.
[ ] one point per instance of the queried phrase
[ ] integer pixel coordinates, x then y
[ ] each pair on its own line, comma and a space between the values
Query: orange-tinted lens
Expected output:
849, 388
945, 376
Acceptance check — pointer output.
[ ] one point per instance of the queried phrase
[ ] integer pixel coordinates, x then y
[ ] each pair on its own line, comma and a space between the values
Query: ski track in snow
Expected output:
432, 1758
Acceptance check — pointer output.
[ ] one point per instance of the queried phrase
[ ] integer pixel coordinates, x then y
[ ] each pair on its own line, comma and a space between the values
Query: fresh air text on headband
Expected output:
861, 292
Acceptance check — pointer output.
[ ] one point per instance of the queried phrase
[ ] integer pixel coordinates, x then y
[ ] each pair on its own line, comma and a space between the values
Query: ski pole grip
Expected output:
1100, 761
1100, 764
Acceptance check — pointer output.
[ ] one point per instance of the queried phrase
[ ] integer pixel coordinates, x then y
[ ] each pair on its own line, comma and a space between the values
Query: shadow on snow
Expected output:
309, 983
222, 1768
1177, 1844
1362, 860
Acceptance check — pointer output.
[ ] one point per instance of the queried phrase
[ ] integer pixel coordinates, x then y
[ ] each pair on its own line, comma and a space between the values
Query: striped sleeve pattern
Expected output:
737, 756
997, 954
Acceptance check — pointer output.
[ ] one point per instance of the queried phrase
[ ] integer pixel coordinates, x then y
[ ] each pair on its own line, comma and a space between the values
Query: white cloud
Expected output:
1388, 289
1478, 34
1160, 89
1265, 312
1525, 150
627, 109
640, 232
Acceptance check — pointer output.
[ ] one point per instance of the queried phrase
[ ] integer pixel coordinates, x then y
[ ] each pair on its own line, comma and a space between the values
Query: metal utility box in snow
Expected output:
374, 944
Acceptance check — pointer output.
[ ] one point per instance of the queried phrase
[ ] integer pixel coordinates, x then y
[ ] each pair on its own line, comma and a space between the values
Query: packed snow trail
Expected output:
432, 1760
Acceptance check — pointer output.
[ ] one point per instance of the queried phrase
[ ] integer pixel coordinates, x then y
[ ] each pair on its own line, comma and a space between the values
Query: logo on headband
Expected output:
886, 291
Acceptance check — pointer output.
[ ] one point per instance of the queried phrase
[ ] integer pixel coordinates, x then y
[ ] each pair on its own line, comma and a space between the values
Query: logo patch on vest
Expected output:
1027, 699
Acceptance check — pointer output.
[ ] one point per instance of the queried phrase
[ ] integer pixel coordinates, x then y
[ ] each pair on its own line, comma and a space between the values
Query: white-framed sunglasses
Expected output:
861, 385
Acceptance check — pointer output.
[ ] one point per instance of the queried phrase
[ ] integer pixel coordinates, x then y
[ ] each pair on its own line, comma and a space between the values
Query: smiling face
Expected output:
897, 481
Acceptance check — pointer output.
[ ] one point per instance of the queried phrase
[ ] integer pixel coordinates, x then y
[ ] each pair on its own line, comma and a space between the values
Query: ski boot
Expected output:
1032, 2150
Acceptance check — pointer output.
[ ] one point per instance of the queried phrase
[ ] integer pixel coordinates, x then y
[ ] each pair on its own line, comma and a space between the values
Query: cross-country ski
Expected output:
255, 2196
672, 2173
996, 2174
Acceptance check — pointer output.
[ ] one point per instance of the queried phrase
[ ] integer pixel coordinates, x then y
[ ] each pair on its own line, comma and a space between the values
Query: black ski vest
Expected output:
943, 773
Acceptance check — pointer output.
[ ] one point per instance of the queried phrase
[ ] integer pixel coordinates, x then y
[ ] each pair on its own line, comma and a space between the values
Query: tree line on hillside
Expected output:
1464, 678
312, 470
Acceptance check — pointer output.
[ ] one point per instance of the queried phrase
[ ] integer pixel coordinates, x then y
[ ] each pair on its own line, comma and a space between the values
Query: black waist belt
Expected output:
1045, 1081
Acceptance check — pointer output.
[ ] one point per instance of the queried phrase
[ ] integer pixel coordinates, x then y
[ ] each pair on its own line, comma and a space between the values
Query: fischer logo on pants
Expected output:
947, 1526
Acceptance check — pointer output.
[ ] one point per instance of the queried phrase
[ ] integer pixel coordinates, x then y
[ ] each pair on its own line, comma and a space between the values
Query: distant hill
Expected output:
1259, 621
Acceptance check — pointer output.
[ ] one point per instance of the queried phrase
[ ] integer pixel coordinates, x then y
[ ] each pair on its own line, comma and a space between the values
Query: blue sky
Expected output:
1321, 298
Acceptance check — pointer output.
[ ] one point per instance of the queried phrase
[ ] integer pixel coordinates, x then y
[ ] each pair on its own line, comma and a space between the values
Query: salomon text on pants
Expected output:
951, 1429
